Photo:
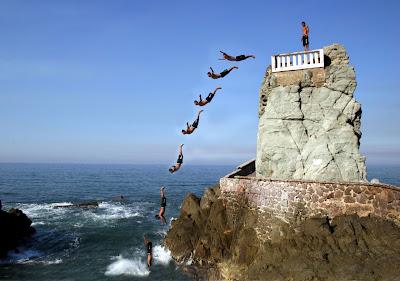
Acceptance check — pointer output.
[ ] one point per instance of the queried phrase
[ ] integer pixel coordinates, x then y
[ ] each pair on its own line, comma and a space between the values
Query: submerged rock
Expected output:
15, 226
239, 242
83, 205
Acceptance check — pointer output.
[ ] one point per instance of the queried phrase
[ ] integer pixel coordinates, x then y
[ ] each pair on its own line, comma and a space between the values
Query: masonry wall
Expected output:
288, 199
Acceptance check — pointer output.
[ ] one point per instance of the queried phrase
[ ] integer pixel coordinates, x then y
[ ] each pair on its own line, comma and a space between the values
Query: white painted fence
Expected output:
297, 60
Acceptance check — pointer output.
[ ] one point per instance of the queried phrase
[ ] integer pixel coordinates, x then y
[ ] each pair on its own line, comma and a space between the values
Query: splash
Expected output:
161, 255
131, 267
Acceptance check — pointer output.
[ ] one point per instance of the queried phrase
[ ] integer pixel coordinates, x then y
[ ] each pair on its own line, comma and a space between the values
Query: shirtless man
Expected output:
163, 202
208, 99
190, 128
220, 75
179, 162
304, 38
225, 56
149, 249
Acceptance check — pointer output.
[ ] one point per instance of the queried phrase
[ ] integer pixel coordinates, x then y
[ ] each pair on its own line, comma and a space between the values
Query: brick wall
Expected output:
287, 198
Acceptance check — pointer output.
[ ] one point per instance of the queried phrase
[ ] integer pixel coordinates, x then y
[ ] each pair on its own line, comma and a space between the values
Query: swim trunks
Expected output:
224, 73
180, 159
305, 40
209, 97
163, 201
149, 247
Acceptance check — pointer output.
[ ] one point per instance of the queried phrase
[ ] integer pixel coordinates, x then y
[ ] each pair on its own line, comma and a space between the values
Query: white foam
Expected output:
56, 261
44, 210
161, 255
38, 223
112, 211
132, 267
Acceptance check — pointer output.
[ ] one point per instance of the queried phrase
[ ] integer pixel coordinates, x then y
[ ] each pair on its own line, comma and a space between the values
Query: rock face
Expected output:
14, 227
228, 236
309, 123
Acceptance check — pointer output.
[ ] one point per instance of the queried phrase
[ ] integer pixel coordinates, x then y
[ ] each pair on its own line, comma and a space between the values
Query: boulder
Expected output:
15, 226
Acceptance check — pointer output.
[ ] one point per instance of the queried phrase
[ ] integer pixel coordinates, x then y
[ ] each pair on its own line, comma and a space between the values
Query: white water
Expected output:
46, 213
123, 266
161, 255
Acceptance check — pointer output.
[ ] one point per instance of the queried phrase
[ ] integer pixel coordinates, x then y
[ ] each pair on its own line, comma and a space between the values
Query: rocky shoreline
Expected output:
226, 240
15, 228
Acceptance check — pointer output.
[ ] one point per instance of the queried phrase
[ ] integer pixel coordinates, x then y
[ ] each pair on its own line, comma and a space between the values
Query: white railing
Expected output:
297, 60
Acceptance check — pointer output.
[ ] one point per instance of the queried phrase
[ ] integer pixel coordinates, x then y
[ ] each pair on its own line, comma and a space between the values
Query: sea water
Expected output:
104, 243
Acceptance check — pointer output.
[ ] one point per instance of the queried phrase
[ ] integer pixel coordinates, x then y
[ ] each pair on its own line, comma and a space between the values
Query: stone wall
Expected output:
288, 199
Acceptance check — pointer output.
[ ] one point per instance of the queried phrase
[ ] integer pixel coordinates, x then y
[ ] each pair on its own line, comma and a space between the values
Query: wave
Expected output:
51, 262
45, 210
131, 267
38, 223
113, 211
51, 213
22, 256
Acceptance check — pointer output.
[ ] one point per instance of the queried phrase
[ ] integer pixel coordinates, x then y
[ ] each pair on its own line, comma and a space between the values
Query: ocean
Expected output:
105, 243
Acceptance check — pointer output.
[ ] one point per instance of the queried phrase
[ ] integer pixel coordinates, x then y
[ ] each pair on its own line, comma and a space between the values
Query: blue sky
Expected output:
114, 81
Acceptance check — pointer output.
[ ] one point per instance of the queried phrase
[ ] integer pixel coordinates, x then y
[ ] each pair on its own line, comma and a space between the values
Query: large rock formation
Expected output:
232, 240
15, 226
309, 123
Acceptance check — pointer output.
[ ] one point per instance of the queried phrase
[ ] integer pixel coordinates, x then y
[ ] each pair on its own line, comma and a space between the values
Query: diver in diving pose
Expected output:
222, 74
190, 128
179, 162
163, 202
225, 56
149, 249
208, 99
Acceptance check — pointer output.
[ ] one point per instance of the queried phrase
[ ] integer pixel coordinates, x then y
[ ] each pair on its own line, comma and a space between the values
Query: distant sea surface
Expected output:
105, 243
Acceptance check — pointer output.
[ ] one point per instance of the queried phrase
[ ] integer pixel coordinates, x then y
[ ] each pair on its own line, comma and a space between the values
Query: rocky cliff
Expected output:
309, 123
225, 240
307, 214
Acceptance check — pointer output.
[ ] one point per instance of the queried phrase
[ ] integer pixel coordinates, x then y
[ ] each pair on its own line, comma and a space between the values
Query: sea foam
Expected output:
161, 255
132, 267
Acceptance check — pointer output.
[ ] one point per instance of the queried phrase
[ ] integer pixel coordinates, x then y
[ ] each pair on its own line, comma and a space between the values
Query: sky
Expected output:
114, 81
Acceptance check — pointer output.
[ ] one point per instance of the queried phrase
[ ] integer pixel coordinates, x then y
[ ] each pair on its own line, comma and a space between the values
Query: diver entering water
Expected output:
179, 162
208, 99
220, 75
149, 249
190, 128
225, 56
163, 204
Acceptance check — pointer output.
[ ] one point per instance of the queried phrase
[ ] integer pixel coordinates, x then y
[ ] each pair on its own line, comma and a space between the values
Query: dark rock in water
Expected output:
241, 243
15, 226
87, 204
